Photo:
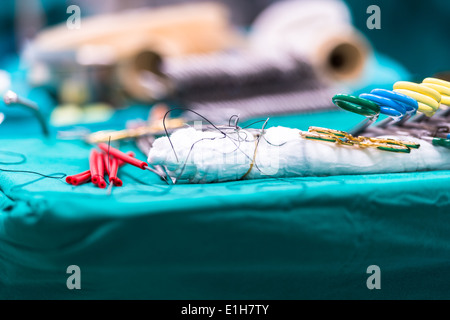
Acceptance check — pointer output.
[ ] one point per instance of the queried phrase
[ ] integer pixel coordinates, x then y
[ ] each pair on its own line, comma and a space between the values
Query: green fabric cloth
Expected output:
300, 238
412, 32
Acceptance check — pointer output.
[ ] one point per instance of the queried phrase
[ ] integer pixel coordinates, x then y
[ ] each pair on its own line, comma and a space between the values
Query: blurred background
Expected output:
252, 58
412, 31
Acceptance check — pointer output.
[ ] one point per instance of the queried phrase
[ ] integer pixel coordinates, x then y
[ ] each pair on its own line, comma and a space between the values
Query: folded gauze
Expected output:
198, 156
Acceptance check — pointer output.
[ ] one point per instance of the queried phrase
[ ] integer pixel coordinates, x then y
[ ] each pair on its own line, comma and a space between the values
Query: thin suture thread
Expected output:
23, 159
236, 141
214, 138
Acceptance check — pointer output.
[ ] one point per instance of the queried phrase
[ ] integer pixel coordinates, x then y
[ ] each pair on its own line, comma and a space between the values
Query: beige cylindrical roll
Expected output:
318, 30
174, 30
132, 43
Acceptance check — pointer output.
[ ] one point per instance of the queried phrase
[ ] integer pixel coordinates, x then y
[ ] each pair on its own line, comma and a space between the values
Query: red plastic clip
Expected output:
82, 178
118, 182
130, 153
101, 171
123, 156
70, 179
98, 166
112, 168
106, 164
121, 163
113, 176
93, 165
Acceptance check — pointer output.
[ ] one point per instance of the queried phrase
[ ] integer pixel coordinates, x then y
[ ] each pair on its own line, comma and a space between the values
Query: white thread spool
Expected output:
320, 31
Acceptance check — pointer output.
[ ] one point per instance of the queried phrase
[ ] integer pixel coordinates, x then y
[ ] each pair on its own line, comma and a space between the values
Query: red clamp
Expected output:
80, 178
99, 164
123, 156
93, 166
101, 171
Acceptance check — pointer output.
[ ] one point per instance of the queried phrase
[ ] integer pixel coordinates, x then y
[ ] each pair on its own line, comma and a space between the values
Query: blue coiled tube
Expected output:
393, 104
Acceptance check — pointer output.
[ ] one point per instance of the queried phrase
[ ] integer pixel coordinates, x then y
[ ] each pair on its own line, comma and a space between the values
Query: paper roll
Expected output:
115, 51
319, 31
176, 30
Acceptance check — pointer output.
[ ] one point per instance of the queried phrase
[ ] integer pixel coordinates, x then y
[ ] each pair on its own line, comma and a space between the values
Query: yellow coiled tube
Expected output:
441, 86
429, 94
428, 98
